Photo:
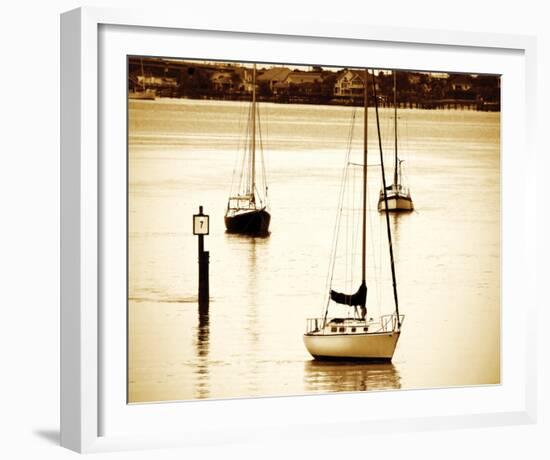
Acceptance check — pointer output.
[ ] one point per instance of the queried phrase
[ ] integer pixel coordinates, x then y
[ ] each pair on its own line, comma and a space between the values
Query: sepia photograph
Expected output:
298, 229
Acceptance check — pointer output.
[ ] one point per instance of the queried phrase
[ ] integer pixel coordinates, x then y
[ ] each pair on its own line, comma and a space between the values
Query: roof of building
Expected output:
299, 77
354, 74
275, 73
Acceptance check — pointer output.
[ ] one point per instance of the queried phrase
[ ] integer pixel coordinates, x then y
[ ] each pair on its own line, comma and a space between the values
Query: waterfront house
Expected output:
299, 82
349, 83
272, 76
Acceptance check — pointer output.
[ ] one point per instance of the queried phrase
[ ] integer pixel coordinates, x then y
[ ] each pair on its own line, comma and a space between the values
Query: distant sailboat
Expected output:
247, 210
356, 336
398, 194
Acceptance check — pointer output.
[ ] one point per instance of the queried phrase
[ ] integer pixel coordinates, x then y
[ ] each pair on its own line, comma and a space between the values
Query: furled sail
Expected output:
359, 298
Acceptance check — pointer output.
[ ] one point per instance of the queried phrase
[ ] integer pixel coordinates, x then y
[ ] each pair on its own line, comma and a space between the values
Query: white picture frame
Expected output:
91, 410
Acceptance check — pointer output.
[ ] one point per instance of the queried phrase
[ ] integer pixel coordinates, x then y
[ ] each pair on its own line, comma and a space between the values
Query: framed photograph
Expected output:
299, 230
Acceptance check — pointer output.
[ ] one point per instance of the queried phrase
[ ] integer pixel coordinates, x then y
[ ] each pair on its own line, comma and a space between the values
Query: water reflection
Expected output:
203, 336
400, 225
350, 376
252, 312
249, 252
395, 220
202, 346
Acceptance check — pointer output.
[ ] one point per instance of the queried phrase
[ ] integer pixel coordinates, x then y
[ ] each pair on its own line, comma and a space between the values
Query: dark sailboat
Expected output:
397, 194
247, 210
357, 337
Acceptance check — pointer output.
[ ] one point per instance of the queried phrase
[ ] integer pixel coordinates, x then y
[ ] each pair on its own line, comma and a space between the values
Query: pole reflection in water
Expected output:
202, 347
327, 376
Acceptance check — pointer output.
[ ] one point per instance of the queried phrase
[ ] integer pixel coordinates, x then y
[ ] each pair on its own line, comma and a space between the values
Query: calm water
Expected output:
182, 154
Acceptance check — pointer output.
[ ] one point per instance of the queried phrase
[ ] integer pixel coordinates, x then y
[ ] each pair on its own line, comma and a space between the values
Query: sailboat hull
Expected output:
254, 222
368, 347
396, 203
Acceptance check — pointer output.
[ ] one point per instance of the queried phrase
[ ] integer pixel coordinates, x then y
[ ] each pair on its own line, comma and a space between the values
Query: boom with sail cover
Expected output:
359, 298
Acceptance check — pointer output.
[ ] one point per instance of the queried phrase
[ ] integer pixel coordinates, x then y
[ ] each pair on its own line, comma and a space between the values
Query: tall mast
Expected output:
395, 123
365, 133
394, 281
253, 153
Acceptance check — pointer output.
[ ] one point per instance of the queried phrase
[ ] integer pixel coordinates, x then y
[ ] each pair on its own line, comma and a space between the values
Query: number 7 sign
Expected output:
200, 224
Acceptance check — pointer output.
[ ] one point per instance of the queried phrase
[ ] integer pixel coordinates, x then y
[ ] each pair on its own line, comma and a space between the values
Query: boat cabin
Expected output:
395, 189
241, 203
338, 326
335, 326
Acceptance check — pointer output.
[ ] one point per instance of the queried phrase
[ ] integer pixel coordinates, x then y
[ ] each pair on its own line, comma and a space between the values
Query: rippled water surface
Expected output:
182, 154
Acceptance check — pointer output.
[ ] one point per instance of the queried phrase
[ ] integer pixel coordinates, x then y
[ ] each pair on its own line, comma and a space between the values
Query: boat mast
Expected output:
365, 133
394, 281
395, 123
253, 152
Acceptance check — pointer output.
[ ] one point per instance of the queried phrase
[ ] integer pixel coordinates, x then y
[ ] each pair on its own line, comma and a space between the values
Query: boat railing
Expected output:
387, 323
314, 324
391, 322
402, 189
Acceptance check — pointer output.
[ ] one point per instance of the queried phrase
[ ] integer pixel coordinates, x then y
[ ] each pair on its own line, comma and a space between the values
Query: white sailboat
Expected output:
358, 337
247, 210
398, 195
